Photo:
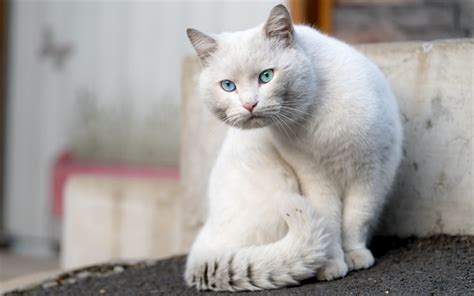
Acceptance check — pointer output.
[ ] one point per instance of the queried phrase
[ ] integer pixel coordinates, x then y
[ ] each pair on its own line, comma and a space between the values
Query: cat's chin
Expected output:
253, 122
256, 123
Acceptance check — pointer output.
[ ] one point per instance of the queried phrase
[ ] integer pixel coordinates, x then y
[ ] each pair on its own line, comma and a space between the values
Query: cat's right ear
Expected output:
202, 43
279, 25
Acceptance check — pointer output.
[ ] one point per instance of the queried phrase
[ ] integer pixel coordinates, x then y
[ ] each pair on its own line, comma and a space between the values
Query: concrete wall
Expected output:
433, 82
112, 218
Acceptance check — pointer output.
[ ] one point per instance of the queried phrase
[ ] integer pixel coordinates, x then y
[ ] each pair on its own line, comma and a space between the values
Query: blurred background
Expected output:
93, 88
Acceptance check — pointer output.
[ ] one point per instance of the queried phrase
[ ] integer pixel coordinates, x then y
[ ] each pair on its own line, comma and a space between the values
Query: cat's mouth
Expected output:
258, 119
253, 116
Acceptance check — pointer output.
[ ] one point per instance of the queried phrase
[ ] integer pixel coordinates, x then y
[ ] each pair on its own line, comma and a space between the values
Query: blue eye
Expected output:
228, 85
266, 76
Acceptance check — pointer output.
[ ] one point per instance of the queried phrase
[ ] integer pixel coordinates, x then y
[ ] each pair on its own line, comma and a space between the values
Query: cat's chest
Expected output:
299, 145
313, 153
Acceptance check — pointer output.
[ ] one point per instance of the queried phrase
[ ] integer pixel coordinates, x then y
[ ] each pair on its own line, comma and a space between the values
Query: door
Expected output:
3, 103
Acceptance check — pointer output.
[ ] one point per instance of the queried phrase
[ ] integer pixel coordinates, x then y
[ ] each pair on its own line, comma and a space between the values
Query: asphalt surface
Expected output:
441, 265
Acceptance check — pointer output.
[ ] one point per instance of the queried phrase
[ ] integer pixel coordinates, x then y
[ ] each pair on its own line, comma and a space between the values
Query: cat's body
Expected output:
296, 197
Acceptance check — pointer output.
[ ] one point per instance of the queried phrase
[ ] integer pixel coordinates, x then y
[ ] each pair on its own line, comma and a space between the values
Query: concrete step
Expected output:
110, 218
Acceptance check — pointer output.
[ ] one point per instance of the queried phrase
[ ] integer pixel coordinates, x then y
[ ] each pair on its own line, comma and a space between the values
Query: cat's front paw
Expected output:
333, 269
359, 259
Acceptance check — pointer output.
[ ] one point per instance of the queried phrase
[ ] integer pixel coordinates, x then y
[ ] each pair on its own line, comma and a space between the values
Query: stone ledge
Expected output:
437, 265
111, 217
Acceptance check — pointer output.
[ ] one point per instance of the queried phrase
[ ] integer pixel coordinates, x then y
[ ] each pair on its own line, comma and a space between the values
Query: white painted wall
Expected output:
114, 97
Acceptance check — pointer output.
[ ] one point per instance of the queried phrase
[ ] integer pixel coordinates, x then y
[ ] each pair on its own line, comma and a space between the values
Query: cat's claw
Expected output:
359, 259
332, 270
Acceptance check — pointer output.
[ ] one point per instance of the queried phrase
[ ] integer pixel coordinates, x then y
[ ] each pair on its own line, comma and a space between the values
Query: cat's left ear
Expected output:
279, 25
202, 43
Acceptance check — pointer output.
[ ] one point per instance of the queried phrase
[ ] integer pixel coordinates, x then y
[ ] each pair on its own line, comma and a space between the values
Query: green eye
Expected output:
266, 76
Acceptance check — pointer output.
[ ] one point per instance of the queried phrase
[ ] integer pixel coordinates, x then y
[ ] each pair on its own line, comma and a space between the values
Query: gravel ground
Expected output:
441, 265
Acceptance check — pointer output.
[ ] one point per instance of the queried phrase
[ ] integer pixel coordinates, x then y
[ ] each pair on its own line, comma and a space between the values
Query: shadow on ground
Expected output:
437, 265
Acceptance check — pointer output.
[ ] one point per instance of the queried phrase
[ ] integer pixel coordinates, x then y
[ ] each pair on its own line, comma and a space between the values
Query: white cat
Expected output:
313, 149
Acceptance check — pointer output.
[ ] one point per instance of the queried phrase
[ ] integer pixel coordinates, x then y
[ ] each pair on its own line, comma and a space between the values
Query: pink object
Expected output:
250, 105
66, 166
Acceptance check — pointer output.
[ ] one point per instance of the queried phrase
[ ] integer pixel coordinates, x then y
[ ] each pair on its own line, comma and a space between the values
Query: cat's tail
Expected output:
295, 257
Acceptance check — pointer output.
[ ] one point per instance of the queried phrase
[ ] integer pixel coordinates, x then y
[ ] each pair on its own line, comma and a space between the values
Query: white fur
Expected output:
323, 147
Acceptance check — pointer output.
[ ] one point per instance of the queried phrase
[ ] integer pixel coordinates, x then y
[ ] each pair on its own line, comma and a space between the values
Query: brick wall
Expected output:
367, 21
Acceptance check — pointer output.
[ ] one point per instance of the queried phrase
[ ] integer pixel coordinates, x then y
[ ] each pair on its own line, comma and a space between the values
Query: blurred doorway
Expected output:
3, 105
315, 13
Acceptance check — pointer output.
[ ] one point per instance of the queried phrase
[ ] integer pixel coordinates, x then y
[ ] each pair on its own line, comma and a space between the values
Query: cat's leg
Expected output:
362, 205
325, 197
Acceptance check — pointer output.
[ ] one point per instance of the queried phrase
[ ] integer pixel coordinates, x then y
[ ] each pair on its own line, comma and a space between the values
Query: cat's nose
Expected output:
250, 106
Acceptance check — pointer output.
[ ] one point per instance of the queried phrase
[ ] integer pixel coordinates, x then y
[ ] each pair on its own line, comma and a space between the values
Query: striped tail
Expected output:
295, 257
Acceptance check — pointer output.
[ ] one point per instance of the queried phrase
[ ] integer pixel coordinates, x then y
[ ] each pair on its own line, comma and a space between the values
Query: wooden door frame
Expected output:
4, 20
316, 13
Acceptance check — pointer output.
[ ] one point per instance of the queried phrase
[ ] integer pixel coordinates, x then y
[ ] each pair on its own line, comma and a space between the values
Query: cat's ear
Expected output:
202, 43
279, 25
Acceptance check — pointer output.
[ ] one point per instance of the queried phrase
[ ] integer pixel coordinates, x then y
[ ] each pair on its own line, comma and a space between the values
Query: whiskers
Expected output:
281, 122
298, 112
286, 119
234, 120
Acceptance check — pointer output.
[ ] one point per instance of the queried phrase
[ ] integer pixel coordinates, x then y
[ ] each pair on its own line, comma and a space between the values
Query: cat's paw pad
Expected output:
359, 259
332, 270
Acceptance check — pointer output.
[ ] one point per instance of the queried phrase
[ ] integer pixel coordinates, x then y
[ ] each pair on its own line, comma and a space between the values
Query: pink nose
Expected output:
250, 105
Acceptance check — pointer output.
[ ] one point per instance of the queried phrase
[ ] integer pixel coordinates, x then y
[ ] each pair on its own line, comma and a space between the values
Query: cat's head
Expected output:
257, 77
